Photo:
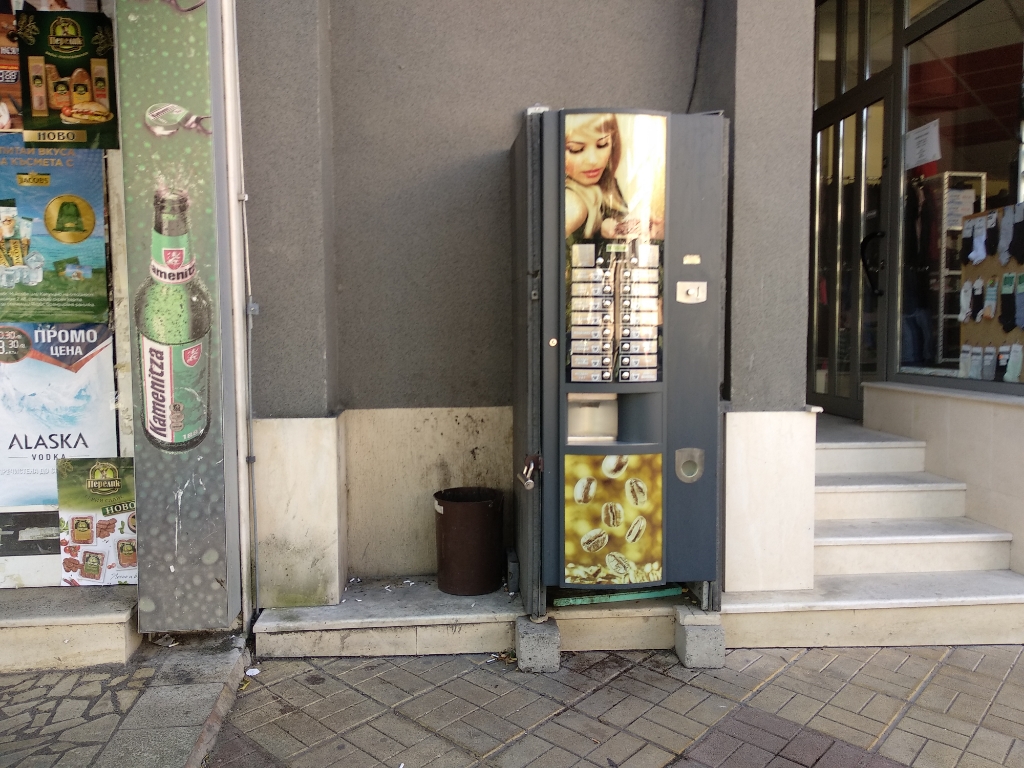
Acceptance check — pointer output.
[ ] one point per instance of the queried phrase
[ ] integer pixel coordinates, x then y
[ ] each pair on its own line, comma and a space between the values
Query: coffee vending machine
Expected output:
619, 239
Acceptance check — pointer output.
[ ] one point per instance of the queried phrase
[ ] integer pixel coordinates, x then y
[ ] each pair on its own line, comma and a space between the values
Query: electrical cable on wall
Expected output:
696, 58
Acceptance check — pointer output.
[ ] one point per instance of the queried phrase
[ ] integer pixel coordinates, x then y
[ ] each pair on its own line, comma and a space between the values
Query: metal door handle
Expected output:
864, 261
526, 476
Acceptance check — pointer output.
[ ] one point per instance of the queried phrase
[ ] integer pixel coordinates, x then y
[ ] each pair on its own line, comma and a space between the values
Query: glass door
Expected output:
850, 232
849, 247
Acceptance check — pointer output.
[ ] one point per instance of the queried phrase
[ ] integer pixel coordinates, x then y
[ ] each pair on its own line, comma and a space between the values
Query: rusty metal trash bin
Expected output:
468, 523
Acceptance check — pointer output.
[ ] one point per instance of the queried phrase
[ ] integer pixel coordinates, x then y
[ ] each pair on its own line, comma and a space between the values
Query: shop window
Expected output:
963, 232
851, 50
879, 35
825, 53
918, 8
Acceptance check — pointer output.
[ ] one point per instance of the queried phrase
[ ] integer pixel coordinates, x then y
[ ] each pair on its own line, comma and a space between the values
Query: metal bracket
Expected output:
526, 476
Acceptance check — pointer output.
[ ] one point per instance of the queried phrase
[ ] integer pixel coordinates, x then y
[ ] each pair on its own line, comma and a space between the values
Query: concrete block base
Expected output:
537, 645
700, 638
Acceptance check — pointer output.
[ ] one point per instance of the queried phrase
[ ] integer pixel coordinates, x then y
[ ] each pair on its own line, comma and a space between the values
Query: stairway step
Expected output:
908, 545
887, 495
845, 446
61, 628
967, 607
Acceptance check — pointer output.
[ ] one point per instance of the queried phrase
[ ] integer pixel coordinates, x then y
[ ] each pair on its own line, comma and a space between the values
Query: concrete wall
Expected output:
284, 73
426, 101
756, 64
973, 437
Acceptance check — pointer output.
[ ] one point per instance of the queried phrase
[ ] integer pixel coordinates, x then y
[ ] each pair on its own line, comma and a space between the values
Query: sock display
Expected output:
978, 252
1017, 243
1005, 233
967, 241
974, 371
1014, 365
965, 361
977, 299
1008, 302
992, 233
988, 364
988, 310
1002, 361
1020, 300
965, 300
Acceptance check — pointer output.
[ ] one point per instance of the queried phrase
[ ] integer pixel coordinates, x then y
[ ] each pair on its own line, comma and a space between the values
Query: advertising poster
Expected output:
53, 259
614, 227
97, 522
10, 75
171, 202
613, 513
67, 78
56, 402
29, 549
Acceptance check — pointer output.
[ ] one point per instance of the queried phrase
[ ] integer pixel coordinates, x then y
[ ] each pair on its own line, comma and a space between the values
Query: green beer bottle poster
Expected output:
187, 547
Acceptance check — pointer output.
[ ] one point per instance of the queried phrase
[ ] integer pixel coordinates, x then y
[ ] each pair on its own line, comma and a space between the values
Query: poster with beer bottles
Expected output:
57, 381
67, 78
173, 273
98, 542
53, 257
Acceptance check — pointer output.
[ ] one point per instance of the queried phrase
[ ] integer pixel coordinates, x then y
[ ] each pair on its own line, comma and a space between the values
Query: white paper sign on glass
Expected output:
921, 145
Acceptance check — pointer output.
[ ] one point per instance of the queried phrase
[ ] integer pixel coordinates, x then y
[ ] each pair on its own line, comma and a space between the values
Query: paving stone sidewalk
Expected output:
930, 707
153, 711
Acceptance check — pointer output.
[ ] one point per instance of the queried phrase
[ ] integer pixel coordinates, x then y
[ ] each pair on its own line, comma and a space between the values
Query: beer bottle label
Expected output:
176, 385
172, 261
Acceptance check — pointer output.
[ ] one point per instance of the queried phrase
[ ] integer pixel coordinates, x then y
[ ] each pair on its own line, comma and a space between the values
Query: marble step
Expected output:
67, 627
908, 545
844, 446
397, 617
946, 608
887, 495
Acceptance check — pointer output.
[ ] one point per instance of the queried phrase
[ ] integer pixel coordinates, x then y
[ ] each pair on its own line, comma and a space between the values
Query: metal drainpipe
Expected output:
241, 317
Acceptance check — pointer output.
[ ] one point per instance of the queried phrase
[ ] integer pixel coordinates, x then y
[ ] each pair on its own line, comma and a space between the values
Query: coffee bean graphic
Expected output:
595, 540
636, 530
636, 492
611, 514
614, 466
618, 563
585, 490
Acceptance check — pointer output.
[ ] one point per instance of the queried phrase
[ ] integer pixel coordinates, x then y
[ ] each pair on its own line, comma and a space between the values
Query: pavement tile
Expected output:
600, 701
304, 728
447, 713
806, 747
942, 721
860, 723
520, 753
748, 756
766, 722
811, 690
553, 689
660, 661
675, 722
649, 757
771, 698
456, 758
714, 749
490, 723
841, 731
442, 673
323, 685
276, 741
752, 735
350, 717
533, 713
382, 691
936, 755
617, 750
511, 702
79, 757
976, 761
593, 729
852, 698
883, 708
710, 710
1016, 757
683, 700
990, 744
716, 685
325, 707
422, 753
934, 733
626, 711
577, 661
489, 681
561, 736
469, 738
609, 667
800, 709
781, 762
640, 689
404, 731
841, 755
660, 735
271, 670
373, 742
334, 752
294, 693
1008, 727
654, 679
424, 703
470, 692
